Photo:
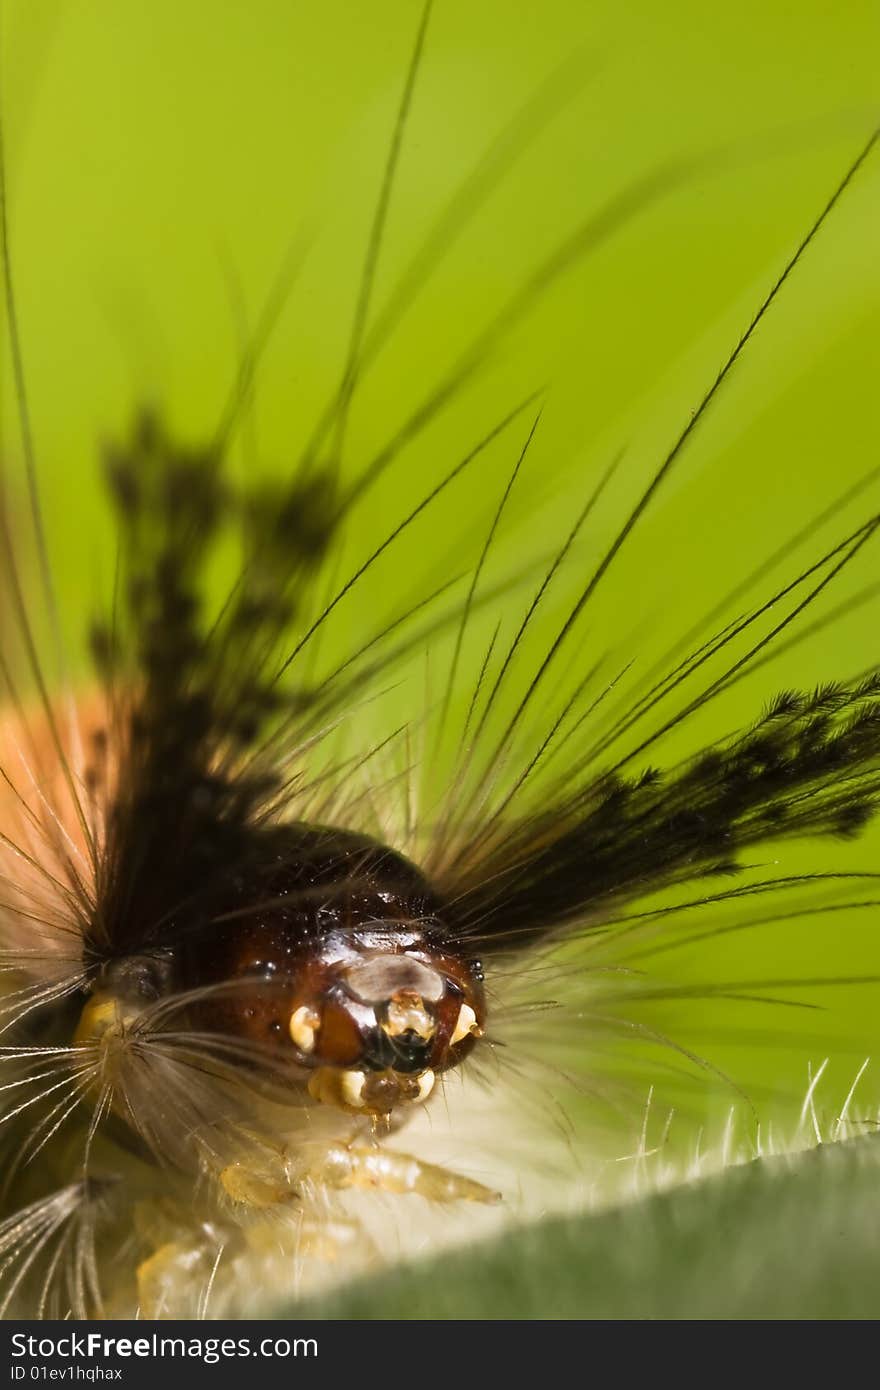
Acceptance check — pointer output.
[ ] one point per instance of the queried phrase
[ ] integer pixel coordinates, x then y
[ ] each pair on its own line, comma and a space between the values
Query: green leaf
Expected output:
795, 1237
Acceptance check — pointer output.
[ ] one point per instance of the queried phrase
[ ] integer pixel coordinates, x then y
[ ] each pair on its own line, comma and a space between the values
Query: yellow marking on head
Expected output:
407, 1014
341, 1088
466, 1023
351, 1088
426, 1081
102, 1014
304, 1024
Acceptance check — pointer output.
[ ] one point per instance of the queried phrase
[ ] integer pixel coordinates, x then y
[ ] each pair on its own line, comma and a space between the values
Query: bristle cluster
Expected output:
191, 691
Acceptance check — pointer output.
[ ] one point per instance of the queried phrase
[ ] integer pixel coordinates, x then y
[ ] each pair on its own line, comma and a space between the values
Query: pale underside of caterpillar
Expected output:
301, 978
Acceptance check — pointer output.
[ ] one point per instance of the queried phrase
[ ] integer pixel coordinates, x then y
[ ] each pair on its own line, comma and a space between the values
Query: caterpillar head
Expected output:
331, 960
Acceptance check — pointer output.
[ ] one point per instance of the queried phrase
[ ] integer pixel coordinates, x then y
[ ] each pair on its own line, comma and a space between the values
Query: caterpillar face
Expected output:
335, 962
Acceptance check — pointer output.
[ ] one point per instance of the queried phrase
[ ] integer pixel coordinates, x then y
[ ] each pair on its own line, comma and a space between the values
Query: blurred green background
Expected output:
165, 161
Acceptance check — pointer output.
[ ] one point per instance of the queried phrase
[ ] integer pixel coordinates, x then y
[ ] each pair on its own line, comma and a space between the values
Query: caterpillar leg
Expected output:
367, 1165
370, 1166
270, 1202
179, 1272
181, 1256
351, 1165
161, 1276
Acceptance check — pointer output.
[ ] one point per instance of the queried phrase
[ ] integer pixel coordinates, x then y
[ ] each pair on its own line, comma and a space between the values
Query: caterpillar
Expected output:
377, 845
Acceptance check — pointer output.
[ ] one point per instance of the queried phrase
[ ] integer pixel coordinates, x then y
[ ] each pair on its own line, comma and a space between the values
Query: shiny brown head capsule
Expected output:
379, 1012
336, 956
